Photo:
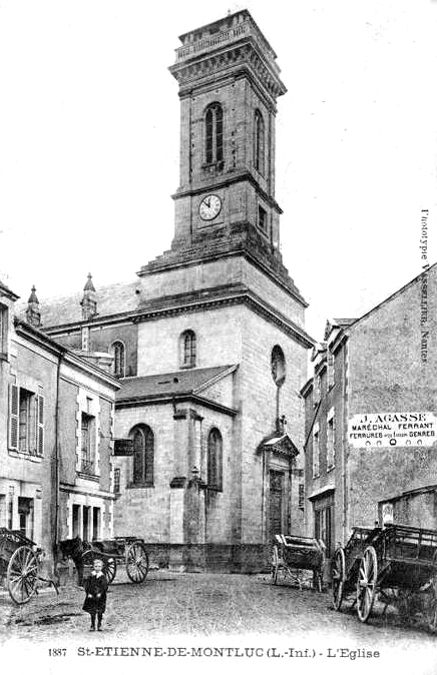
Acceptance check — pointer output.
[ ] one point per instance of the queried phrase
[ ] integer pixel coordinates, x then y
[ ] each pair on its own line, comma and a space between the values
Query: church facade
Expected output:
208, 343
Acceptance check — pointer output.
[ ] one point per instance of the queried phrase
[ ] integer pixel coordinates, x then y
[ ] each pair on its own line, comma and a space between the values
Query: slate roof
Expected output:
169, 384
113, 299
7, 291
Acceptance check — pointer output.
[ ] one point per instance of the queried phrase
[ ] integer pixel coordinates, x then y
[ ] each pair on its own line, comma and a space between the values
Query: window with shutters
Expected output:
188, 349
316, 452
330, 449
117, 480
259, 143
214, 134
301, 496
118, 352
143, 455
3, 331
26, 421
3, 511
87, 444
215, 460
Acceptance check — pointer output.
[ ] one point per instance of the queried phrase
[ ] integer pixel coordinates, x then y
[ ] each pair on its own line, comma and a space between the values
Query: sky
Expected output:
89, 141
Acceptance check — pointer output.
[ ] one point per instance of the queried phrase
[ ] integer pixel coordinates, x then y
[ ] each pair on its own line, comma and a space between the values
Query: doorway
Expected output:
25, 516
276, 506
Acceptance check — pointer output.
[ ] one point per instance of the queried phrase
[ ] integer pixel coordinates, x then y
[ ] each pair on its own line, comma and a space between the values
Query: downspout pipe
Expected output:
57, 496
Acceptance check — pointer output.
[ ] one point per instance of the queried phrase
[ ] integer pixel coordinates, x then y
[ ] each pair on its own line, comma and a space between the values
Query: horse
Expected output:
74, 549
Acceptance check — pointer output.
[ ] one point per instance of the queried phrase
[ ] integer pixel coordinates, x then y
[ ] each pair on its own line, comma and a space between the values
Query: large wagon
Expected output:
128, 551
20, 560
396, 565
292, 554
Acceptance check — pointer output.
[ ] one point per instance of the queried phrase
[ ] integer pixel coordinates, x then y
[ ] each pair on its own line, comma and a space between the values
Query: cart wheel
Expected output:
338, 577
109, 568
87, 563
430, 608
22, 575
137, 562
275, 564
366, 583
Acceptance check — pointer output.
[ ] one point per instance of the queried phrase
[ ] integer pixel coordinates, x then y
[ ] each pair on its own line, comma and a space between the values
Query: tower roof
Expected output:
33, 297
89, 286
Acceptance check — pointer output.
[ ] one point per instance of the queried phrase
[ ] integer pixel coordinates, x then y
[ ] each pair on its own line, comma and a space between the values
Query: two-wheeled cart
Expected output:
396, 565
20, 561
292, 554
128, 551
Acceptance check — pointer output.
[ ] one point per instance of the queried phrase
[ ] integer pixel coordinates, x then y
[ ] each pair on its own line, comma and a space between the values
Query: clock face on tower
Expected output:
210, 207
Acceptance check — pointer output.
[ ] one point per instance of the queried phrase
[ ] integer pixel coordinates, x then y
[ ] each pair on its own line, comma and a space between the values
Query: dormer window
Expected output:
214, 134
188, 349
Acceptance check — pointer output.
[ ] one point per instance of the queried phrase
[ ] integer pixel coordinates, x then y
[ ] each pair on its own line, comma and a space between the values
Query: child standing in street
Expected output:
95, 599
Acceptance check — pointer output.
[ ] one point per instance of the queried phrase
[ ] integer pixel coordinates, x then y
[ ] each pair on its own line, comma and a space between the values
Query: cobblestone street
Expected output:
213, 610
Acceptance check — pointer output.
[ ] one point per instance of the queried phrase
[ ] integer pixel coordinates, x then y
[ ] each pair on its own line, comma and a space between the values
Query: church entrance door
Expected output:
276, 503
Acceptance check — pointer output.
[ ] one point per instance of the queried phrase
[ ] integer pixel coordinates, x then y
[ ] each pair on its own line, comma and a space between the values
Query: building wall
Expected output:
222, 272
258, 407
31, 475
28, 477
387, 374
218, 340
144, 511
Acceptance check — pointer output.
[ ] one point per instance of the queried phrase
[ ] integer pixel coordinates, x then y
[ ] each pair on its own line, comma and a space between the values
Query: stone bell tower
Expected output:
222, 286
228, 86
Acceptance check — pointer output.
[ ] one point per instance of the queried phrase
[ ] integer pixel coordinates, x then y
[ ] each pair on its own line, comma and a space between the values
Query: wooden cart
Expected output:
292, 554
128, 551
396, 565
20, 560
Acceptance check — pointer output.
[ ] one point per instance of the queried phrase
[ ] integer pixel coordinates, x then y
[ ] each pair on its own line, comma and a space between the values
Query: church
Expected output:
208, 342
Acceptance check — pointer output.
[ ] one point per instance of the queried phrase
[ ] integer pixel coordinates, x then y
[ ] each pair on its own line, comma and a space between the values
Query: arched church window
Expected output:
259, 143
278, 365
188, 349
215, 460
143, 455
118, 353
214, 134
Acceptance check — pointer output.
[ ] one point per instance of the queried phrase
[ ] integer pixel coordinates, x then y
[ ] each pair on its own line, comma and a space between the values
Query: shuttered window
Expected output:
40, 426
13, 417
26, 421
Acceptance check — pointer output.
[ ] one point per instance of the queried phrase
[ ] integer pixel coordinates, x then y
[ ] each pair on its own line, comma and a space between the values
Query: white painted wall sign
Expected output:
392, 429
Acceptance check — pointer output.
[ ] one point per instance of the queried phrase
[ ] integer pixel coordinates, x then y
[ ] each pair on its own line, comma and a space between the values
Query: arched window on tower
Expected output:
214, 134
259, 143
215, 460
118, 353
143, 455
188, 349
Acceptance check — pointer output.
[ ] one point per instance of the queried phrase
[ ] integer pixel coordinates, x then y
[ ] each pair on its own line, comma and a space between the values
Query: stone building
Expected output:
56, 434
370, 417
209, 342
